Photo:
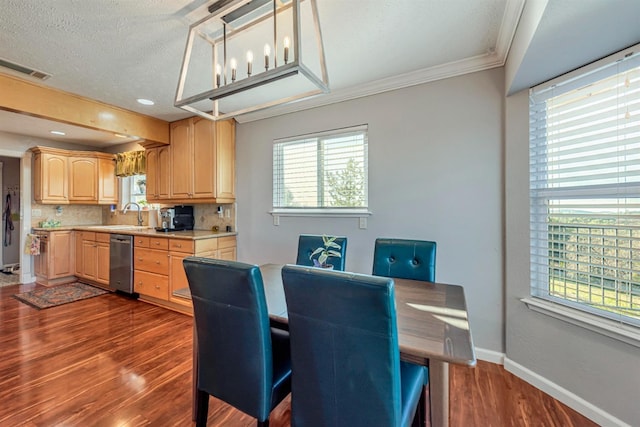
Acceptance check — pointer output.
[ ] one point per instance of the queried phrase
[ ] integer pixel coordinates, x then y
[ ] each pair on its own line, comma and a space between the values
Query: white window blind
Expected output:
585, 188
325, 170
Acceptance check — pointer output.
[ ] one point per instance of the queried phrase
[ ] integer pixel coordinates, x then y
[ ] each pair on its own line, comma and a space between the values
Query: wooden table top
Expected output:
432, 318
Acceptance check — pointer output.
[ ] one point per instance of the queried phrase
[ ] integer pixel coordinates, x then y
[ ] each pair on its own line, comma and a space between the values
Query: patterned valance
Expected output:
130, 163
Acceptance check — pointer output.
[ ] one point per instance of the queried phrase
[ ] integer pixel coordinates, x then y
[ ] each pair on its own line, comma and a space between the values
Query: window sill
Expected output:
335, 213
612, 329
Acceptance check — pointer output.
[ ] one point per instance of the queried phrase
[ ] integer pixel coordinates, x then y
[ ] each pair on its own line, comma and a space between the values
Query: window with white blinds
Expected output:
585, 188
322, 171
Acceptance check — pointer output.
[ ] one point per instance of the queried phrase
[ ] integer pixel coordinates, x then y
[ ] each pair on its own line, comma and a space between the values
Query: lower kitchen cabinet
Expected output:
159, 275
55, 263
92, 257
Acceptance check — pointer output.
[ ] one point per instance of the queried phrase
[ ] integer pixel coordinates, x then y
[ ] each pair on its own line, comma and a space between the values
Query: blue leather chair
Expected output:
405, 259
344, 352
241, 360
307, 243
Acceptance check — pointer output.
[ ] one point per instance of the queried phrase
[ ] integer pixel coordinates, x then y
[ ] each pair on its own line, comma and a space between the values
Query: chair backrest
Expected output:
344, 348
405, 259
307, 243
232, 328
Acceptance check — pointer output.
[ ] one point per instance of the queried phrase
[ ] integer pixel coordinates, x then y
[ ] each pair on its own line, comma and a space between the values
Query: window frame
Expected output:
319, 211
615, 325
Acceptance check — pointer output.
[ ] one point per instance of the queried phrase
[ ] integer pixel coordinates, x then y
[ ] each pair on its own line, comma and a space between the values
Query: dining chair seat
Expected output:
241, 359
344, 352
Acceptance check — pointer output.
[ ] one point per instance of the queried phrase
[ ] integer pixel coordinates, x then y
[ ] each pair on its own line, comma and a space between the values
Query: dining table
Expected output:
433, 331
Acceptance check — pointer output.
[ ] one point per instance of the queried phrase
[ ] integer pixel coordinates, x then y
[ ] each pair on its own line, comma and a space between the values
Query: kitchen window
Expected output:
585, 192
322, 173
133, 189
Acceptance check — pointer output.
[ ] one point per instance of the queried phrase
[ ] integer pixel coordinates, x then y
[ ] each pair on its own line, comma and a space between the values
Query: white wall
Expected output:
435, 156
597, 375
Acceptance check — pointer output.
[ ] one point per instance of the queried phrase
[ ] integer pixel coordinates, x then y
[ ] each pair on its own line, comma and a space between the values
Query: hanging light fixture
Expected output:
222, 74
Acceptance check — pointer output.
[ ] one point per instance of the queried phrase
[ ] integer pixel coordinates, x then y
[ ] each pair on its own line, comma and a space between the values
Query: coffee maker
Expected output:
183, 218
176, 218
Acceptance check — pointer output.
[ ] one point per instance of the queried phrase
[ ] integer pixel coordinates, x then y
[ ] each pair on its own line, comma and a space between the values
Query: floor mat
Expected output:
58, 295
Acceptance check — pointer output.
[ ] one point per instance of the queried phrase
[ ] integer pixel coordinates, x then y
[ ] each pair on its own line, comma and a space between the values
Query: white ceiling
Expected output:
116, 51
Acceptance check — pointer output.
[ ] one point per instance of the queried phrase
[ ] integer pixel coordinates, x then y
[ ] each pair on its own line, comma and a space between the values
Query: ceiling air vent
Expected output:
24, 70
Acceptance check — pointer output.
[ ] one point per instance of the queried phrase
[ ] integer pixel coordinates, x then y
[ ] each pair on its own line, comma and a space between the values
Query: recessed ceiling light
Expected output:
57, 132
119, 135
145, 101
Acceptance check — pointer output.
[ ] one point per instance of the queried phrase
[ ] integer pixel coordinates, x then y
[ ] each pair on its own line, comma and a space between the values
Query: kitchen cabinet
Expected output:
158, 270
107, 182
74, 177
157, 165
201, 167
55, 264
92, 257
50, 176
83, 179
151, 267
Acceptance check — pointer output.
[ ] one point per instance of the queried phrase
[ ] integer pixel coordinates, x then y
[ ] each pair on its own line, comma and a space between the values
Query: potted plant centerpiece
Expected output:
328, 249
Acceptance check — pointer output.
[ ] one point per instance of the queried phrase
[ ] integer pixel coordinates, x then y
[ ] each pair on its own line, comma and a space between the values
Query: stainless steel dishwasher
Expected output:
121, 263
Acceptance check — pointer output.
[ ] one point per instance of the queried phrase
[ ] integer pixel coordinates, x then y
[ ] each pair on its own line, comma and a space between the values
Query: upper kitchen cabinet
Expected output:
201, 167
78, 177
157, 171
83, 179
50, 176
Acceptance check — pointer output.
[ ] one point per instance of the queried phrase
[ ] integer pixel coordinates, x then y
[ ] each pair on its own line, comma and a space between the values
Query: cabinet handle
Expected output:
157, 286
157, 262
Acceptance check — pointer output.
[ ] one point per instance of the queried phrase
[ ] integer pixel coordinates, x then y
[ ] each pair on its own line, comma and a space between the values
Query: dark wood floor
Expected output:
110, 361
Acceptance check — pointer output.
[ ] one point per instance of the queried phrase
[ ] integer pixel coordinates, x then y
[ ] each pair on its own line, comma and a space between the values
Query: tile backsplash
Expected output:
66, 214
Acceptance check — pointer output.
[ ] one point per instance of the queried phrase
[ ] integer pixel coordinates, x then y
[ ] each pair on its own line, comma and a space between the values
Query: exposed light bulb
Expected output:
267, 52
286, 50
234, 66
249, 62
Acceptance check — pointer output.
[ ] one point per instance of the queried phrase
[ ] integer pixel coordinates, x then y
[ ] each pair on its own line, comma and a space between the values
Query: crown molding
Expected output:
495, 58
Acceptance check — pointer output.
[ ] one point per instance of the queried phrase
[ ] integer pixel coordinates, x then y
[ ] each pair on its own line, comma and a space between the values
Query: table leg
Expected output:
439, 393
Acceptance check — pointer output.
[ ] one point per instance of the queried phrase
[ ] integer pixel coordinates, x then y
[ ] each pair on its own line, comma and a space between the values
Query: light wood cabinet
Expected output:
92, 257
158, 270
83, 179
158, 167
55, 264
107, 182
50, 177
73, 177
201, 167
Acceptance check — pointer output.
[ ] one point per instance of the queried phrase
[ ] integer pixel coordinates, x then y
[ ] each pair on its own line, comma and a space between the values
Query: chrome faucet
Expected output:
126, 208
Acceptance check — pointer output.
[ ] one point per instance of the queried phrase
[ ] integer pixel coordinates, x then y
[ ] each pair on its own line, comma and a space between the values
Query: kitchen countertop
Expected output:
141, 231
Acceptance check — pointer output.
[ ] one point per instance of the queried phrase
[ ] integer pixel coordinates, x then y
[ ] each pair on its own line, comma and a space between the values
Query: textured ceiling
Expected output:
116, 51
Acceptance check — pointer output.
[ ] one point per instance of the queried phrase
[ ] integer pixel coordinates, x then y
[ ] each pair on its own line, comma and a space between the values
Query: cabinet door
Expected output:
228, 254
89, 258
61, 264
78, 271
181, 159
107, 182
204, 158
225, 159
177, 278
52, 178
102, 275
152, 173
83, 175
164, 171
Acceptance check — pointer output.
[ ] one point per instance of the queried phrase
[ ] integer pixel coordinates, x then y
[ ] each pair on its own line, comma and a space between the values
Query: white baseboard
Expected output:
573, 401
489, 356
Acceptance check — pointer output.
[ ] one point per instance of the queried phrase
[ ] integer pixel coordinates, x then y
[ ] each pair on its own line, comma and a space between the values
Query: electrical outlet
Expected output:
227, 213
363, 222
36, 212
276, 220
